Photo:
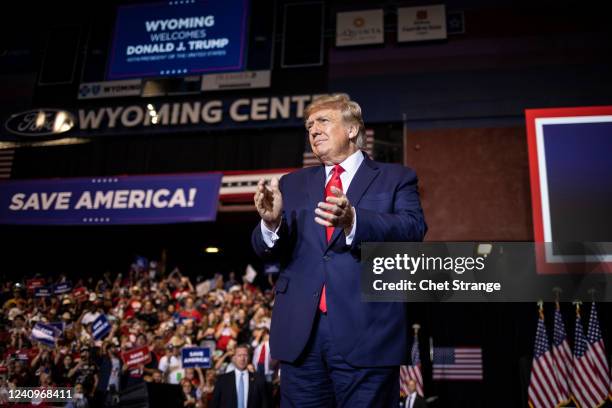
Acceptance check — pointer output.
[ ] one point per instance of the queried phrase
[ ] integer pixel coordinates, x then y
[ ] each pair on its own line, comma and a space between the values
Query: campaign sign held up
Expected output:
101, 327
43, 291
62, 288
136, 356
196, 357
59, 326
45, 333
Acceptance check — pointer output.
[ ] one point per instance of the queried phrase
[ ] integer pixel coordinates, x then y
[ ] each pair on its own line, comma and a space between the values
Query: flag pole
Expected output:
557, 291
405, 138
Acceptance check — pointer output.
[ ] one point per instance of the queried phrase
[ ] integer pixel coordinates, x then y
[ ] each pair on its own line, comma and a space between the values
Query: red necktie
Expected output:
329, 231
262, 355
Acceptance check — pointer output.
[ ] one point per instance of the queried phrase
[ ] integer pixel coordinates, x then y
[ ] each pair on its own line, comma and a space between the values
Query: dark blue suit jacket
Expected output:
366, 334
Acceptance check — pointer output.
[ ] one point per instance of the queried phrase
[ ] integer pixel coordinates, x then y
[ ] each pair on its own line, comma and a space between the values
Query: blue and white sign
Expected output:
61, 288
45, 334
43, 291
183, 37
110, 89
100, 328
111, 200
59, 326
196, 357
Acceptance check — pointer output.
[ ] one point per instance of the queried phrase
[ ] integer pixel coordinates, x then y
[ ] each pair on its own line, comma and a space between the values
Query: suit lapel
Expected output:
251, 392
366, 173
316, 193
234, 393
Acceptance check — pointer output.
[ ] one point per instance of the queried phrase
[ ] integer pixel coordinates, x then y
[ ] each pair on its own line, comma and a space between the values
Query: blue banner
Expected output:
100, 328
45, 334
61, 288
178, 38
43, 291
196, 357
155, 199
59, 326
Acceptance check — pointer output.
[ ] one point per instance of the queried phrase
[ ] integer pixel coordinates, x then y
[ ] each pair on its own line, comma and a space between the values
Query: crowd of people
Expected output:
162, 312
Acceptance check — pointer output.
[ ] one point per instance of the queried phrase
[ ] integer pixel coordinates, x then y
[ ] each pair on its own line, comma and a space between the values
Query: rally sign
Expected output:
45, 334
32, 284
101, 327
154, 199
43, 291
63, 287
196, 357
178, 38
59, 326
136, 356
80, 294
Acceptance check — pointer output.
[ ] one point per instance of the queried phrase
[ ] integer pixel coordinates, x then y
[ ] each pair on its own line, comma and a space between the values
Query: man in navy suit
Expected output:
241, 388
335, 349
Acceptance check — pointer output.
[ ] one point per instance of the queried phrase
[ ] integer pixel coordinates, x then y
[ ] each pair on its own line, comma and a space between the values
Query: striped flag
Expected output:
585, 383
6, 162
309, 159
413, 371
457, 363
562, 355
596, 352
543, 391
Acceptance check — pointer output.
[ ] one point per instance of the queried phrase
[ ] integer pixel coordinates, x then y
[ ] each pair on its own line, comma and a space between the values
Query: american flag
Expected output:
413, 371
543, 391
596, 352
457, 363
562, 355
309, 159
6, 162
585, 383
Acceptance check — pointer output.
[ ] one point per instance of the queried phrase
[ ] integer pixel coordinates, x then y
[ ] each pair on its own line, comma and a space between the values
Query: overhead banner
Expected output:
359, 28
236, 80
142, 117
182, 37
110, 89
422, 23
155, 199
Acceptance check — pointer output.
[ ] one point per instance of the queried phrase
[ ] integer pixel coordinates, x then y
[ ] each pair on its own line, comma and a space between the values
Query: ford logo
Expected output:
40, 122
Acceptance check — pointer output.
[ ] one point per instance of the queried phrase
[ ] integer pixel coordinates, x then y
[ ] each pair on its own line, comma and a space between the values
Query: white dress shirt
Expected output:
245, 380
410, 400
350, 165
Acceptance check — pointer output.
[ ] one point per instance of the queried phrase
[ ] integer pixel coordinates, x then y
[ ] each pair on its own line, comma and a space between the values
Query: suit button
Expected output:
326, 258
315, 294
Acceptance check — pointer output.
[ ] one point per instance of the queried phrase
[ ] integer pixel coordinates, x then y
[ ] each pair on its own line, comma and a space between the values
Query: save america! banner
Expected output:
151, 199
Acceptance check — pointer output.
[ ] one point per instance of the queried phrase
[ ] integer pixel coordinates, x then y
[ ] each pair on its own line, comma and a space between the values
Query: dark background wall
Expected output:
462, 99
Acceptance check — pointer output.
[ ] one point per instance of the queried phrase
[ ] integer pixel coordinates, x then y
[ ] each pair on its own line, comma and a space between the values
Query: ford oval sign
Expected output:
40, 122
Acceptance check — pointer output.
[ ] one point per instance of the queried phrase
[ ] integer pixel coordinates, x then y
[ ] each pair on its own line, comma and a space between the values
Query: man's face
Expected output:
411, 386
328, 136
241, 358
